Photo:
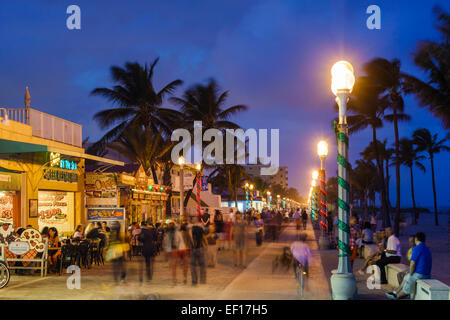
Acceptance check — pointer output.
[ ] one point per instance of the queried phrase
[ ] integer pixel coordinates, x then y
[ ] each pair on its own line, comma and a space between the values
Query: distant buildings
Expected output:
281, 177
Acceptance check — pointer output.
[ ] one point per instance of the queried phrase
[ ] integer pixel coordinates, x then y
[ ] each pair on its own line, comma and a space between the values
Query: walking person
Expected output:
211, 240
304, 218
148, 238
182, 253
259, 224
219, 229
116, 251
169, 244
239, 236
197, 247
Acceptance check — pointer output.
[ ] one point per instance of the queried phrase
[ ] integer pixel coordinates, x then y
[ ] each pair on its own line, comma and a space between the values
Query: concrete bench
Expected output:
431, 289
368, 250
392, 270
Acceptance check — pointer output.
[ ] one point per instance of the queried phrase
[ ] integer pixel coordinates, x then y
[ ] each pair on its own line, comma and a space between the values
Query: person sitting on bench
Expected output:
392, 254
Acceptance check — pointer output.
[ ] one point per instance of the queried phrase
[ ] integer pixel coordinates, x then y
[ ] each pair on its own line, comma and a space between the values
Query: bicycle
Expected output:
301, 274
4, 270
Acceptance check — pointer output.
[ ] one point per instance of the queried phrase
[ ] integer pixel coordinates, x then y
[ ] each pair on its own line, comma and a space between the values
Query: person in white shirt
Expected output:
392, 254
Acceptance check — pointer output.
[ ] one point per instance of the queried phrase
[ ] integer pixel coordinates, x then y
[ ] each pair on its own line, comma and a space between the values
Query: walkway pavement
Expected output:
223, 282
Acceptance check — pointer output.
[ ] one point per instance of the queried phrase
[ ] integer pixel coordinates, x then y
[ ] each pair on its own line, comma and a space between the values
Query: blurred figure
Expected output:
136, 245
44, 232
239, 236
147, 237
259, 225
183, 241
197, 247
105, 227
116, 254
297, 219
219, 229
227, 232
211, 240
168, 245
206, 218
301, 252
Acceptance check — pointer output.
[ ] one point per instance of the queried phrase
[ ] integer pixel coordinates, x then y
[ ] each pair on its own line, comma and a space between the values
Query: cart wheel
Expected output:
4, 274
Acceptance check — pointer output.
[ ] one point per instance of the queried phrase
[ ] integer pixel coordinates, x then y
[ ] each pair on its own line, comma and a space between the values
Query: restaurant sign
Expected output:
106, 214
19, 247
60, 175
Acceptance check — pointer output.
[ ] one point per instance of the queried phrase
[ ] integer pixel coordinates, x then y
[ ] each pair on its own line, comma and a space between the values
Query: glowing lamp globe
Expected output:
313, 183
181, 160
198, 166
342, 77
315, 175
322, 149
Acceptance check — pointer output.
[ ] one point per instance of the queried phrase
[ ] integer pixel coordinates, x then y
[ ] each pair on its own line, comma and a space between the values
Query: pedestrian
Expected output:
115, 253
211, 240
259, 224
206, 218
182, 253
219, 229
168, 243
373, 222
304, 218
239, 236
148, 238
136, 245
197, 247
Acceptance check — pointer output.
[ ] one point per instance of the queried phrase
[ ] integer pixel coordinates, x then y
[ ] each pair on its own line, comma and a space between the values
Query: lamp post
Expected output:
181, 164
198, 167
315, 176
278, 201
246, 196
322, 151
269, 199
343, 283
251, 196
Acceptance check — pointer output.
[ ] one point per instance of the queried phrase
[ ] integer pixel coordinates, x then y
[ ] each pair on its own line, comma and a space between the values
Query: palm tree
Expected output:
361, 177
138, 103
261, 185
388, 76
230, 177
205, 103
409, 156
143, 146
434, 59
425, 141
367, 110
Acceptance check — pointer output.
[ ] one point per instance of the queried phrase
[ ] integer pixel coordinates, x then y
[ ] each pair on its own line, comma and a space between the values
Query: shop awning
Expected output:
11, 147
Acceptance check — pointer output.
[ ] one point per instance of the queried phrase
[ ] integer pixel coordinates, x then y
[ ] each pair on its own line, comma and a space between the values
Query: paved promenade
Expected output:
223, 282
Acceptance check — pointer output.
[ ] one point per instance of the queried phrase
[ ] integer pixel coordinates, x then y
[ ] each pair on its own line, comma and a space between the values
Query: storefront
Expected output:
126, 188
9, 196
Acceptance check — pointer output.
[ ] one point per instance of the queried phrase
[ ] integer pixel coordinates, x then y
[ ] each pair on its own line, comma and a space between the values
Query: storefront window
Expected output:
7, 206
56, 209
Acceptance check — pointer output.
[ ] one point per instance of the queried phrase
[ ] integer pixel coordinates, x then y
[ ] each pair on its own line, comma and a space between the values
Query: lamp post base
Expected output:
343, 286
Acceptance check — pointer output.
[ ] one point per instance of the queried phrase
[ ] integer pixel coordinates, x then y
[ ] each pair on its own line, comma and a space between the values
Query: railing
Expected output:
47, 126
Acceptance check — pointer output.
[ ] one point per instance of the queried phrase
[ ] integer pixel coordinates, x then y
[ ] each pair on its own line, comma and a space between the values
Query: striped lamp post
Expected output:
322, 151
198, 166
343, 283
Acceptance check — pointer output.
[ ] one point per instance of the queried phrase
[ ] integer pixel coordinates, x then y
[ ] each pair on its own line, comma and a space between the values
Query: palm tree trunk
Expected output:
397, 175
386, 217
155, 177
387, 185
434, 192
412, 195
365, 205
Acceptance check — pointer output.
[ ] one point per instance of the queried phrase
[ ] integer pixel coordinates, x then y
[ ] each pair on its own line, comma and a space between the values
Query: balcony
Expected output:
47, 126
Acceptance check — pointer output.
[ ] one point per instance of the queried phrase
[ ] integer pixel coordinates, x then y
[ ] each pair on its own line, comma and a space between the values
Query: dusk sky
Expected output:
273, 55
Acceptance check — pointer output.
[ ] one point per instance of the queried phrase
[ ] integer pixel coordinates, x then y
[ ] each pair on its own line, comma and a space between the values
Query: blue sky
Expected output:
273, 56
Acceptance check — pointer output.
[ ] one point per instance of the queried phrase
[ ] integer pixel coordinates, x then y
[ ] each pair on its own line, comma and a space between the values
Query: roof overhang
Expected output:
11, 147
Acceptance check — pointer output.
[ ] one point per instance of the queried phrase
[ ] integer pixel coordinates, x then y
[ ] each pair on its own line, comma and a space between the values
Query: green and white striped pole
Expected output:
343, 282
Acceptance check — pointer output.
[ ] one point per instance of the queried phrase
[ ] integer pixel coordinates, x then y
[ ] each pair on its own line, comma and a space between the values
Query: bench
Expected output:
392, 271
37, 263
431, 289
368, 250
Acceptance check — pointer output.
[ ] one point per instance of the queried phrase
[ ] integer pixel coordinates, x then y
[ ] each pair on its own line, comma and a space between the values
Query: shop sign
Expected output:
68, 164
188, 180
106, 214
59, 175
19, 247
53, 207
6, 206
126, 179
101, 190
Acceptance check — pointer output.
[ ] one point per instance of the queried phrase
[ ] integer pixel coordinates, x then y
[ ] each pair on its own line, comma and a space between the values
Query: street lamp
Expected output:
315, 175
181, 164
343, 283
278, 201
268, 199
322, 152
198, 167
251, 196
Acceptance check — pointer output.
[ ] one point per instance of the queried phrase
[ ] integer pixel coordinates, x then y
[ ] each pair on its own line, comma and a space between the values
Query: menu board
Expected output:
6, 206
52, 207
101, 190
106, 214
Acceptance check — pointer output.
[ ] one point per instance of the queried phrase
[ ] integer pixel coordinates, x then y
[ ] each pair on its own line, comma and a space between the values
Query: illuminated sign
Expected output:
68, 164
55, 174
